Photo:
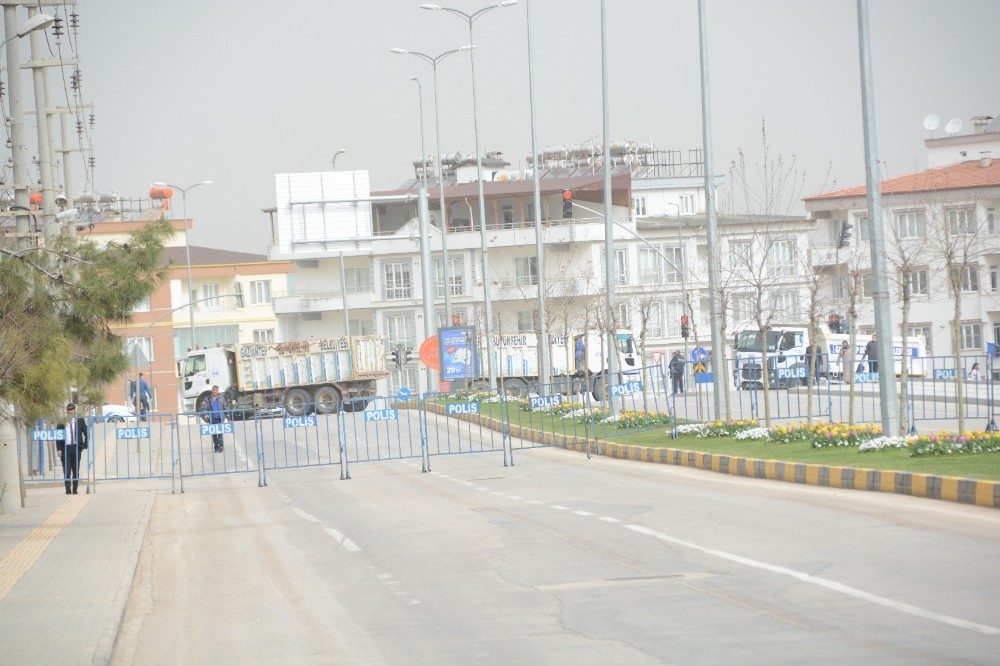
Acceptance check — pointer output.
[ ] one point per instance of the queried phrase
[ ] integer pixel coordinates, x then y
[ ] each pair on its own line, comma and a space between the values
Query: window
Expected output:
911, 224
863, 228
358, 280
972, 336
867, 285
528, 321
785, 305
962, 221
915, 330
687, 204
639, 206
675, 264
260, 292
624, 316
403, 377
527, 270
654, 324
994, 278
915, 282
401, 331
145, 345
739, 254
142, 306
263, 335
397, 280
507, 212
674, 310
211, 296
456, 276
361, 327
743, 308
650, 272
620, 266
967, 277
991, 221
781, 259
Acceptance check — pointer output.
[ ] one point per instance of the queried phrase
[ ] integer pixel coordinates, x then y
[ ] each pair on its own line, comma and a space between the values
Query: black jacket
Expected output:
82, 435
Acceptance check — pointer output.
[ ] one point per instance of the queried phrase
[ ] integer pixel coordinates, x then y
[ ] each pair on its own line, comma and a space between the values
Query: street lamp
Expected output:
339, 152
434, 60
470, 19
187, 246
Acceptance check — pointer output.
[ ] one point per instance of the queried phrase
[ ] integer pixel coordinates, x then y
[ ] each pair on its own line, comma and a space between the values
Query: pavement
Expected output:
67, 563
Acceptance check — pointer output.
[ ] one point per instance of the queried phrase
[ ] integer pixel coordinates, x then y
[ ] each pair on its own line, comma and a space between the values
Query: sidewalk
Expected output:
66, 566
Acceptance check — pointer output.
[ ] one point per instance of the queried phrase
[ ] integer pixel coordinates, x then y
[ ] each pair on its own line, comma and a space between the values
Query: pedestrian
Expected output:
70, 444
975, 374
814, 362
676, 367
581, 353
215, 410
846, 359
144, 395
871, 353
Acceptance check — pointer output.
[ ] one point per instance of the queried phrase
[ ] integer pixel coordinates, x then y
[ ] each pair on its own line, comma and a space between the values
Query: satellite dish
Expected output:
931, 122
953, 127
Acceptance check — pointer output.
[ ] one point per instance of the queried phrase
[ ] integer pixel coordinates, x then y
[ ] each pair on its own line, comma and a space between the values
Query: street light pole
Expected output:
187, 245
423, 148
339, 152
470, 19
434, 60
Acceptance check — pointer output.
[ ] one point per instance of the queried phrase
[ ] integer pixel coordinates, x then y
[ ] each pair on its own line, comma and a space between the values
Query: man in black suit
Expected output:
71, 445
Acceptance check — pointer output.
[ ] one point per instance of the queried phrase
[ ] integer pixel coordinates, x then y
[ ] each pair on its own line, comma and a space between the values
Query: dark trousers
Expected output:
677, 383
217, 438
71, 467
873, 365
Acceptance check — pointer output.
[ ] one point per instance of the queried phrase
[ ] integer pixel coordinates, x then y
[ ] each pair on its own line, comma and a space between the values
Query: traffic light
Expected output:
845, 234
684, 326
399, 356
567, 203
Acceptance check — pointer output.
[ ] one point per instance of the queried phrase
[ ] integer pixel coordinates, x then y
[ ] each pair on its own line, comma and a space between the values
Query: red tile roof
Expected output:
959, 176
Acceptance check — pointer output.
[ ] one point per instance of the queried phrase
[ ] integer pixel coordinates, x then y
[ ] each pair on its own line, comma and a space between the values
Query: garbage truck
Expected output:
516, 361
787, 348
301, 377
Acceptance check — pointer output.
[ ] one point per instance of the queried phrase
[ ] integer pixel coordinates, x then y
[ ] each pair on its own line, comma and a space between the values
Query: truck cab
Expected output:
204, 368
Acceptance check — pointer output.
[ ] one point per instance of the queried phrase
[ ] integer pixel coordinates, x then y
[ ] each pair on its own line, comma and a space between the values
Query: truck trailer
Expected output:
318, 375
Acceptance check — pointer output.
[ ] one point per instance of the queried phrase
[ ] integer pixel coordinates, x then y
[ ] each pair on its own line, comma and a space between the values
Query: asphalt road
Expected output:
557, 560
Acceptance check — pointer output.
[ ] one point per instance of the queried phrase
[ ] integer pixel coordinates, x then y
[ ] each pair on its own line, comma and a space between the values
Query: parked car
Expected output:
115, 414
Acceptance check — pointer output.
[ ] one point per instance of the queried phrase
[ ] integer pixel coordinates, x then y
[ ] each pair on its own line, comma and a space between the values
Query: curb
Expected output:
930, 486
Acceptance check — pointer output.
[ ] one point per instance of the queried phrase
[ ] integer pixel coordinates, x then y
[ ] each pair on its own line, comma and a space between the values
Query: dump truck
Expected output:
302, 377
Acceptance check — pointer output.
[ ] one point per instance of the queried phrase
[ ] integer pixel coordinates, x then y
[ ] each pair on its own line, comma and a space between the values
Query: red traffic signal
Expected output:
567, 203
684, 319
685, 332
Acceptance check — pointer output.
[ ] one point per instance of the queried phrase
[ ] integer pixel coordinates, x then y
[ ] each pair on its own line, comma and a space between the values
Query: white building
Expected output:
939, 223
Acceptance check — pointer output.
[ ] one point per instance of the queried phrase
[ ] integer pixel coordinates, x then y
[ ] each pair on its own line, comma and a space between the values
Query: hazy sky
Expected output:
236, 91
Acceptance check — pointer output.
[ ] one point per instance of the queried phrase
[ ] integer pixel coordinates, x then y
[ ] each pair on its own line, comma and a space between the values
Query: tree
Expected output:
57, 306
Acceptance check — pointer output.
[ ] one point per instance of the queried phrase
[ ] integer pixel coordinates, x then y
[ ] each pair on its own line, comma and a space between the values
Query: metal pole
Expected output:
423, 147
544, 370
343, 291
720, 386
20, 175
880, 281
425, 273
609, 231
445, 265
334, 161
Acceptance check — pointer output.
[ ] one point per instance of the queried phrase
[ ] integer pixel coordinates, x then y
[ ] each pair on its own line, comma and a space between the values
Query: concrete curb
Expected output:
948, 488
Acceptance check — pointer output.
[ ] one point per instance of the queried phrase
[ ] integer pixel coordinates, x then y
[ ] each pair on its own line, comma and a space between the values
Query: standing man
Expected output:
214, 409
580, 355
871, 353
814, 362
144, 395
70, 445
676, 367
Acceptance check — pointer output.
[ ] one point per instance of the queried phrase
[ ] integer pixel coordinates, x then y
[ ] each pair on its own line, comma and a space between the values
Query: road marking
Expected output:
26, 553
343, 541
609, 519
581, 512
823, 582
308, 516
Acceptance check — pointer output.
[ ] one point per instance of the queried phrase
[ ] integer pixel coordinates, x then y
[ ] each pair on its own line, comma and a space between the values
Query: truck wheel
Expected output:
298, 402
356, 405
327, 400
515, 388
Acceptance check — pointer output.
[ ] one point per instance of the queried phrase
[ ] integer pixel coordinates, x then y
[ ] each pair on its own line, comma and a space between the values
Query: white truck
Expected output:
301, 377
787, 355
517, 367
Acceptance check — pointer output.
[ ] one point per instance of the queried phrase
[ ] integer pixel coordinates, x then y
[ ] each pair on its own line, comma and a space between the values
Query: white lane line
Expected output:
581, 512
343, 541
514, 497
823, 582
308, 516
609, 519
558, 507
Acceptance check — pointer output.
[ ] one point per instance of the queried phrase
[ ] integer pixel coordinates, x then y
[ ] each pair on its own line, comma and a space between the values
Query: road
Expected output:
558, 559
